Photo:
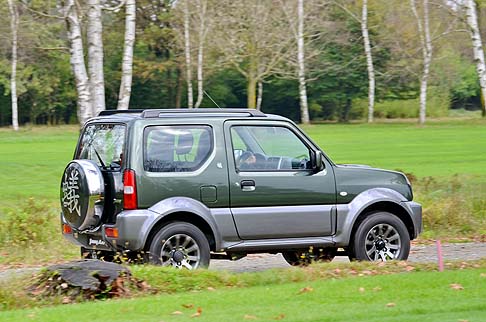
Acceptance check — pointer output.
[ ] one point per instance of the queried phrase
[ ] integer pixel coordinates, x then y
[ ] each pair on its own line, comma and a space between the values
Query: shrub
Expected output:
32, 223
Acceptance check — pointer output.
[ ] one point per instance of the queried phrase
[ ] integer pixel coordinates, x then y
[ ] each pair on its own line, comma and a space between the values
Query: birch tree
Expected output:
472, 22
369, 61
187, 52
426, 47
127, 63
78, 66
304, 108
95, 55
203, 18
14, 26
367, 50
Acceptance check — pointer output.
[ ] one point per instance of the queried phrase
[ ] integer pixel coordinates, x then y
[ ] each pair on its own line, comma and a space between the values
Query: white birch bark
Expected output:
78, 65
14, 25
95, 56
202, 8
259, 95
127, 63
369, 61
187, 51
304, 109
426, 44
472, 21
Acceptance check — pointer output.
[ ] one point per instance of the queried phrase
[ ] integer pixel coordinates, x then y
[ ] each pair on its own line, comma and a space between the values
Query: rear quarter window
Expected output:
181, 148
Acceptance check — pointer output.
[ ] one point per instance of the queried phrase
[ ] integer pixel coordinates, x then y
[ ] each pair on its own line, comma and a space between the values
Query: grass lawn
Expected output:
437, 149
32, 160
417, 296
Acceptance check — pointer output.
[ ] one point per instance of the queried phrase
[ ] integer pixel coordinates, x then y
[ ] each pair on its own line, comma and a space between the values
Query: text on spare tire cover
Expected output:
70, 187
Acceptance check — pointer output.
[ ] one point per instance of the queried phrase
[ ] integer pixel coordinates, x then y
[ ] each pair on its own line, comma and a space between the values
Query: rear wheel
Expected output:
180, 245
381, 236
305, 257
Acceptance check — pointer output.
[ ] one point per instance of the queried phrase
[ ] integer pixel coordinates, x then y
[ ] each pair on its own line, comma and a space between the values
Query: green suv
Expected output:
178, 187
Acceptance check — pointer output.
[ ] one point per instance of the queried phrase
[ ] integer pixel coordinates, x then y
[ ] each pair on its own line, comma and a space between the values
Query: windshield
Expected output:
103, 144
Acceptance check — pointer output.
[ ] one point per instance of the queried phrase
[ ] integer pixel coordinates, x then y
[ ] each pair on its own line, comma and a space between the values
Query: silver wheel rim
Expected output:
383, 242
180, 251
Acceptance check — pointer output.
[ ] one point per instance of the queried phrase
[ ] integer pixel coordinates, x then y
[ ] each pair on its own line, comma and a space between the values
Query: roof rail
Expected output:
113, 112
214, 111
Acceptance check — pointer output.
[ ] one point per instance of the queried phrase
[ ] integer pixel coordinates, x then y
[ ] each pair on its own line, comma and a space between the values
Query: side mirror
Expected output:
317, 161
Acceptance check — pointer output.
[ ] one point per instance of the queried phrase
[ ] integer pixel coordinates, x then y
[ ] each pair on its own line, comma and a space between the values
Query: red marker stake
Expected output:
439, 256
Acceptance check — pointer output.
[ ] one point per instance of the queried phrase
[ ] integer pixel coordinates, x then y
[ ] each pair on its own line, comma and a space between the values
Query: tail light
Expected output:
129, 190
66, 229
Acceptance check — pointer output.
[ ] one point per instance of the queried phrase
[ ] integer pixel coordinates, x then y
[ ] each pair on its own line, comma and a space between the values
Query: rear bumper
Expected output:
133, 227
89, 240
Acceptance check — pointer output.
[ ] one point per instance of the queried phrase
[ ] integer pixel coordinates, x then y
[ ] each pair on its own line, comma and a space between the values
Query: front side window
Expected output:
181, 148
268, 148
103, 144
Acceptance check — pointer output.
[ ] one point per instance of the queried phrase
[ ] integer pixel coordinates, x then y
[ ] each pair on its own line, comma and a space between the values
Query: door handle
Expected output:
247, 185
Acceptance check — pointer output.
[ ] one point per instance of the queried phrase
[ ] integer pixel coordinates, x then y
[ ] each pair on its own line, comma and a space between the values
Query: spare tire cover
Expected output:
82, 192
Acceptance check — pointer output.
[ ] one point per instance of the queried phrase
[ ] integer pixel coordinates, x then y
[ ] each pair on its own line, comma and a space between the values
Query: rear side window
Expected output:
103, 144
181, 148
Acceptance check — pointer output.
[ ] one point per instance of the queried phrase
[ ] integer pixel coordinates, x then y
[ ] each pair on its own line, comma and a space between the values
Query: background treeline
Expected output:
247, 53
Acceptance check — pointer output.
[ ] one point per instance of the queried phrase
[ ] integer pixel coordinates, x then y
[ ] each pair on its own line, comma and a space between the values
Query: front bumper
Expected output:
415, 211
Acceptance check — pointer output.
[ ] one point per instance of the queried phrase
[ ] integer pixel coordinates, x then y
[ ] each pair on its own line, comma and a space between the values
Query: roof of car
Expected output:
128, 115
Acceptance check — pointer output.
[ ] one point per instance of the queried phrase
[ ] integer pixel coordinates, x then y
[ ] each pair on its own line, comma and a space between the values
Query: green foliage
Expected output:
28, 224
451, 207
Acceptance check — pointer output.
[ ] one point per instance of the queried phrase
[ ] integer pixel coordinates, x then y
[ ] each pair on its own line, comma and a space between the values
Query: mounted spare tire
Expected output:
82, 193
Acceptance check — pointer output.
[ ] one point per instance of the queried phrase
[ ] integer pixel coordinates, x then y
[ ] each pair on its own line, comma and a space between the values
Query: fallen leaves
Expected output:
361, 289
391, 304
250, 317
306, 289
188, 306
177, 313
198, 313
279, 317
457, 287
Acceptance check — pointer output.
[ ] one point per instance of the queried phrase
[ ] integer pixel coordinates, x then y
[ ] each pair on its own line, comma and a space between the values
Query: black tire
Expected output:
381, 236
305, 257
181, 245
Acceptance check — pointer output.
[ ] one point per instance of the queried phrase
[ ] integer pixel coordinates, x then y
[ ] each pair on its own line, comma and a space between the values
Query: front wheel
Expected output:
180, 245
381, 236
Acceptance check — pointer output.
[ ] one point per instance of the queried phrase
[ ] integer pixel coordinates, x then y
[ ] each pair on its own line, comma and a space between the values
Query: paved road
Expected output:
260, 262
418, 253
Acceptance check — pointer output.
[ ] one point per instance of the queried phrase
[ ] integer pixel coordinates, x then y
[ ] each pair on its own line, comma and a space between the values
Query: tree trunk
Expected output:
14, 24
201, 4
78, 66
187, 50
127, 63
178, 98
426, 42
259, 96
95, 56
251, 91
369, 62
304, 108
472, 21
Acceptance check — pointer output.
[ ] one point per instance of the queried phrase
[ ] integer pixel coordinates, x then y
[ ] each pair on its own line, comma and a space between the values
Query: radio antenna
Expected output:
211, 98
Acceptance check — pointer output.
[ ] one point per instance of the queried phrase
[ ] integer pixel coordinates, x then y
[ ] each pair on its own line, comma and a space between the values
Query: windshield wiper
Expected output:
99, 158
